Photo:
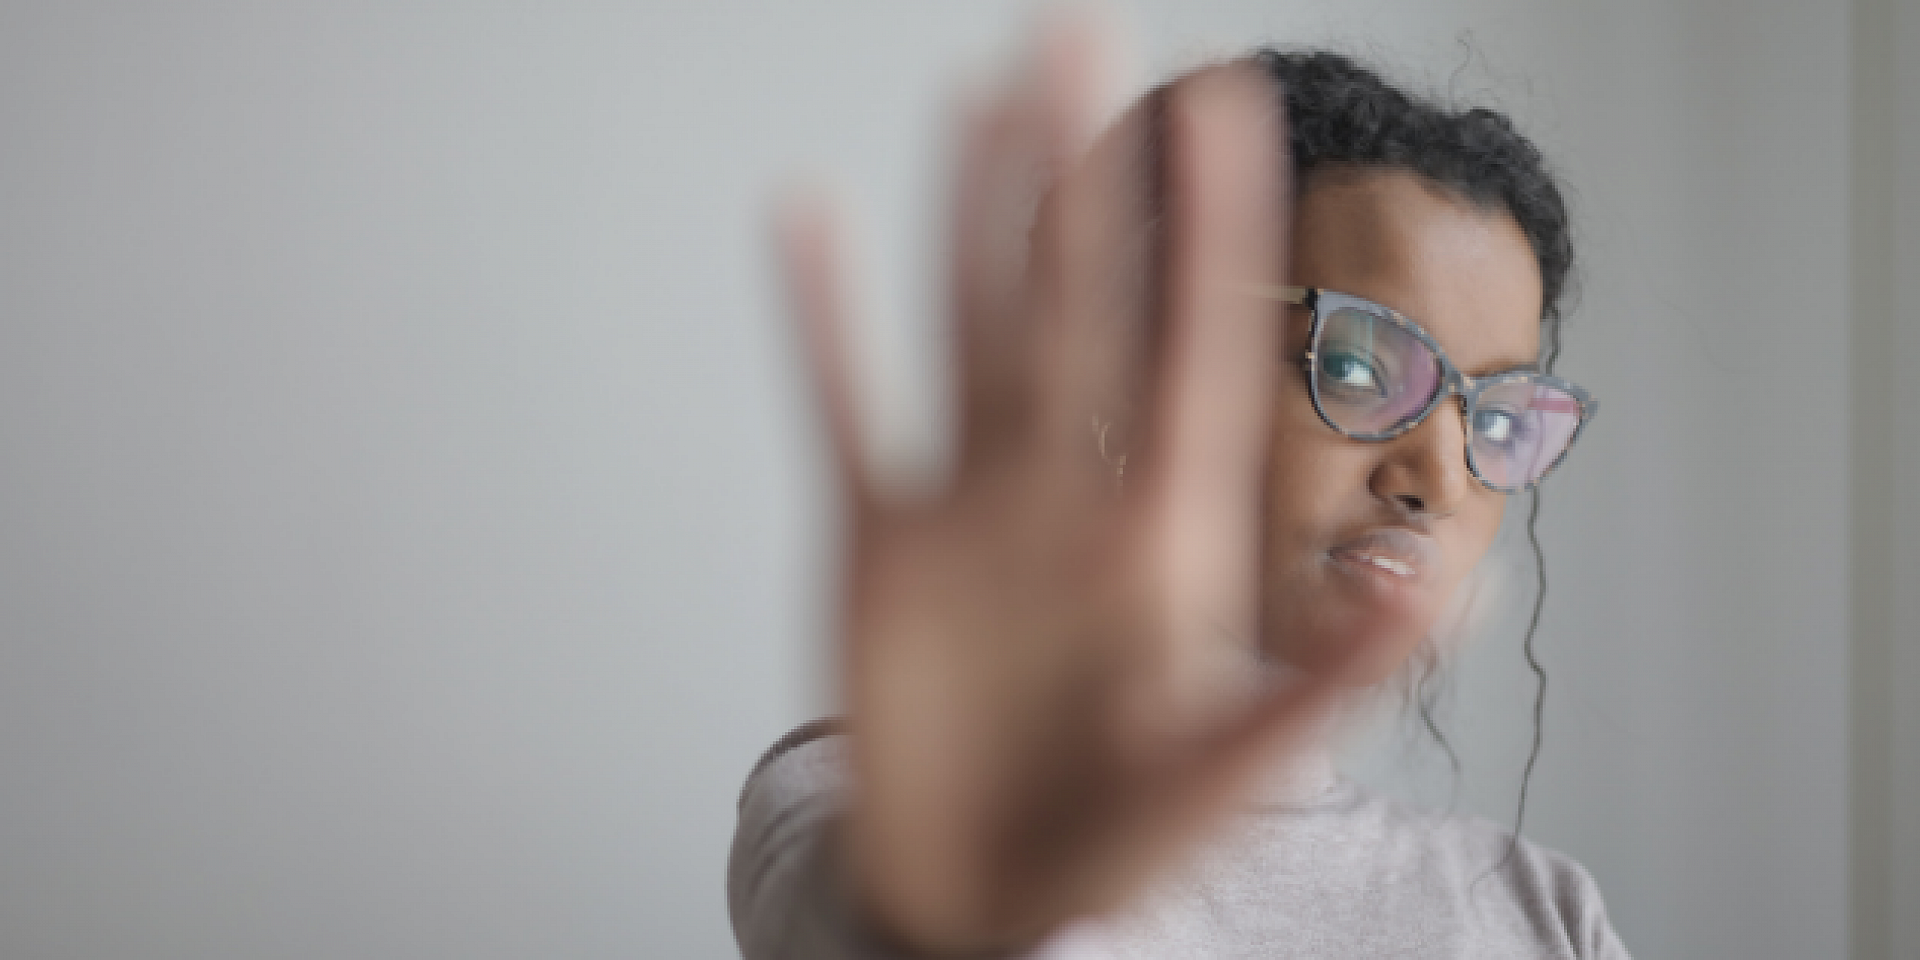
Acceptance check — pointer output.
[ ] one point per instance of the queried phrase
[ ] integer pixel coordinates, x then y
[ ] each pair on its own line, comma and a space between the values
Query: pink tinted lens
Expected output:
1370, 374
1520, 429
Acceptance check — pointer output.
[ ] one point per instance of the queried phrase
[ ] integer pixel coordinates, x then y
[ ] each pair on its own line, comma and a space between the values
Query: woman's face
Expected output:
1367, 541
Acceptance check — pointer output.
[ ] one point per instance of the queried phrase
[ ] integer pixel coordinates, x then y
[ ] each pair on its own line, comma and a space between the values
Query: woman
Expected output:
1211, 484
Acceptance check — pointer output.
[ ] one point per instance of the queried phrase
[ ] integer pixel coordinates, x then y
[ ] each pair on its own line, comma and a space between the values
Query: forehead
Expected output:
1466, 274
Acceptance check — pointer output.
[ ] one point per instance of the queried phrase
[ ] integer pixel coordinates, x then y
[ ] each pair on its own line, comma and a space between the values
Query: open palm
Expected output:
1026, 654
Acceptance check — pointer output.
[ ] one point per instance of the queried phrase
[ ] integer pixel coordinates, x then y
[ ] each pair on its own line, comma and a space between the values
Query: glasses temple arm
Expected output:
1293, 295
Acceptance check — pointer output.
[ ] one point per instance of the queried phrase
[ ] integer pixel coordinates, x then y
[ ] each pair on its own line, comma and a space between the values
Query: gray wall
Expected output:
1886, 666
409, 513
1904, 636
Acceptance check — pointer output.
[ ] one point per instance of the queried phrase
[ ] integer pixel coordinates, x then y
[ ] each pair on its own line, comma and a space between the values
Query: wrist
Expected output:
888, 928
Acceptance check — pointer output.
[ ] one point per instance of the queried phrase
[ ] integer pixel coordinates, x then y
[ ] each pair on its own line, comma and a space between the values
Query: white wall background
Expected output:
409, 511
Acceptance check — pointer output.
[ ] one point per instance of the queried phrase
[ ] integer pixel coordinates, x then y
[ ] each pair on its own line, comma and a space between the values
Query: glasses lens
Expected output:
1520, 429
1370, 374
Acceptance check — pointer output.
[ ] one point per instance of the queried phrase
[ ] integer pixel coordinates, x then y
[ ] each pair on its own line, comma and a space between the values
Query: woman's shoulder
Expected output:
1541, 886
809, 744
807, 763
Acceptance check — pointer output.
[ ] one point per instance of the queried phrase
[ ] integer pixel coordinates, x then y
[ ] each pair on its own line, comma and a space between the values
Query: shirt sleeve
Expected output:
1591, 932
786, 894
1560, 893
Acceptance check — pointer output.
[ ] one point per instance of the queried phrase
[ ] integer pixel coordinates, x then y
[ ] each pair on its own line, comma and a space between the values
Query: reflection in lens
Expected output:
1520, 429
1370, 374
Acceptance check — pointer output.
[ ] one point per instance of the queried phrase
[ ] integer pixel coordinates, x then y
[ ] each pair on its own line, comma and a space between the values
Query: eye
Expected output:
1352, 373
1500, 426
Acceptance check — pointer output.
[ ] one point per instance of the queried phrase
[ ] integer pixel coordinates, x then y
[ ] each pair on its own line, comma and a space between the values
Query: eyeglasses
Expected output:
1374, 375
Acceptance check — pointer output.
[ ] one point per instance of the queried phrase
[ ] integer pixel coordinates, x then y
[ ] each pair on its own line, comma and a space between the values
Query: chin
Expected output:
1380, 660
1364, 644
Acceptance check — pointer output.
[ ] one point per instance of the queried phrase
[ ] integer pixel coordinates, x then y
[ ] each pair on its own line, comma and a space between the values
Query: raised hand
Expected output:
1031, 661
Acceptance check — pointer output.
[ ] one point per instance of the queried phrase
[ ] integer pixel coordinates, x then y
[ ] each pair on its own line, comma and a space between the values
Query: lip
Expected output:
1396, 554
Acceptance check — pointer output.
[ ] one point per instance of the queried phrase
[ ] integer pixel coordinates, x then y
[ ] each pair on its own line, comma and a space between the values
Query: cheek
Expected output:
1470, 532
1315, 477
1461, 613
1316, 486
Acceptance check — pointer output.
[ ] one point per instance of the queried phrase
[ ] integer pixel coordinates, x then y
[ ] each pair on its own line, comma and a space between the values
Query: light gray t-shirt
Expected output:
1327, 872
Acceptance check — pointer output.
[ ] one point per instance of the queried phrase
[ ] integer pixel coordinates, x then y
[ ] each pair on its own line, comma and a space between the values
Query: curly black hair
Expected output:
1339, 112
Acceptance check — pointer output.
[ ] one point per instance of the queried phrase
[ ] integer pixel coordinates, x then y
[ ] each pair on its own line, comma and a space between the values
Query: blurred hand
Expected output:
1025, 652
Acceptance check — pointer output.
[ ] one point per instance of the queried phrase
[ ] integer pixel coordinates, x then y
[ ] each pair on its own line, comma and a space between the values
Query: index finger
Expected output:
1227, 177
807, 232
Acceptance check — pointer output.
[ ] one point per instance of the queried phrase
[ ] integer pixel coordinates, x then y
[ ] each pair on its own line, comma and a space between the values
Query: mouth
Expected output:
1371, 593
1398, 568
1396, 555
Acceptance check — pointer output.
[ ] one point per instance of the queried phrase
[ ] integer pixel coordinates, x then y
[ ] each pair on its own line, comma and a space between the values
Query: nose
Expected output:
1424, 471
